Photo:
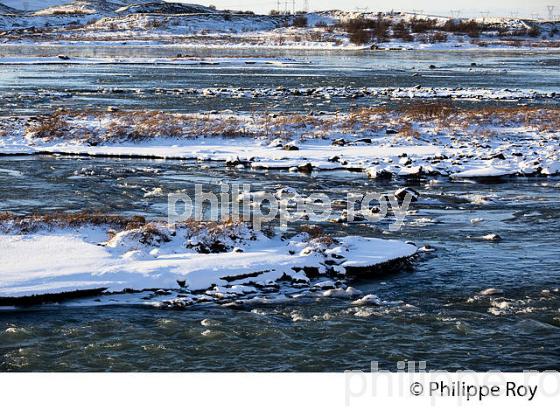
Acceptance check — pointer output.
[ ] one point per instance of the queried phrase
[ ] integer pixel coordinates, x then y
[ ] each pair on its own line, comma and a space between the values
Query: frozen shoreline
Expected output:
378, 142
201, 264
422, 161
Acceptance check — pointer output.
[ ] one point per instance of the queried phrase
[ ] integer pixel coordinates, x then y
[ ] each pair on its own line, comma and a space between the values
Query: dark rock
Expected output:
306, 168
400, 194
290, 147
233, 162
493, 237
499, 156
427, 248
380, 174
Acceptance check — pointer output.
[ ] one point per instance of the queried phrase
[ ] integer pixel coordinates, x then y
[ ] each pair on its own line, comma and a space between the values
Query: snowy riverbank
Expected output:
416, 142
204, 262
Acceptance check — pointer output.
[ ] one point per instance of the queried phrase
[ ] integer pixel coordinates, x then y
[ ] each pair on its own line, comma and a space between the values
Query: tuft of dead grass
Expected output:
49, 127
33, 223
97, 127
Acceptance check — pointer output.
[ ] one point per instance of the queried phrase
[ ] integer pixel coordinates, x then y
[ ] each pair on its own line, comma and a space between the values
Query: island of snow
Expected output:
43, 257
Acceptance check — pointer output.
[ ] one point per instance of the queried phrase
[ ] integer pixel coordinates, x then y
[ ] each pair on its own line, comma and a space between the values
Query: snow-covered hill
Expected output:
7, 10
158, 21
33, 5
37, 5
160, 7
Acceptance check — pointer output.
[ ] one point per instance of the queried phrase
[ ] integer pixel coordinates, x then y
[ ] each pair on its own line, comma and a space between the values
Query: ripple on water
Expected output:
330, 334
14, 333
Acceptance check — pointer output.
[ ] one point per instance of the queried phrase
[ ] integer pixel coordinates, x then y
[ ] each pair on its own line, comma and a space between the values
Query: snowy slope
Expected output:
36, 5
159, 7
33, 5
7, 10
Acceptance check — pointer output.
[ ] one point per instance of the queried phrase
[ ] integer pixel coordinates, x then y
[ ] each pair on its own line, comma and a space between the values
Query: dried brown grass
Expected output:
49, 126
32, 223
407, 118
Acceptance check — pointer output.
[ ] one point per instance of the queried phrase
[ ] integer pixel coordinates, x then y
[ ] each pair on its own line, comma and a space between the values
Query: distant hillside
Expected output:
7, 10
36, 5
159, 7
33, 5
156, 21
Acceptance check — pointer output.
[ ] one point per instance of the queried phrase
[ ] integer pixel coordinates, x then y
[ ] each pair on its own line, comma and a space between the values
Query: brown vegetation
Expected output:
469, 27
71, 12
49, 126
300, 21
32, 223
91, 127
363, 30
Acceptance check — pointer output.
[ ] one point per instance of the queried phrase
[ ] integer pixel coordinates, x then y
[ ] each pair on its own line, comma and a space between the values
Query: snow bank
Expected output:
485, 172
399, 145
60, 260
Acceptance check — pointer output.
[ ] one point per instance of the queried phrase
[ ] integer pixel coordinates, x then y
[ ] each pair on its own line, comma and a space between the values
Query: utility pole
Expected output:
455, 13
306, 6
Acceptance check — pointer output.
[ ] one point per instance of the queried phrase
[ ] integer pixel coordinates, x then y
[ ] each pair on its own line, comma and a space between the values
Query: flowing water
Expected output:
432, 312
31, 89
